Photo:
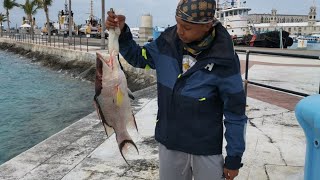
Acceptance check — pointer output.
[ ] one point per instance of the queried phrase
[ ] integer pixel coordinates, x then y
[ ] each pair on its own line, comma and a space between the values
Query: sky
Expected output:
163, 11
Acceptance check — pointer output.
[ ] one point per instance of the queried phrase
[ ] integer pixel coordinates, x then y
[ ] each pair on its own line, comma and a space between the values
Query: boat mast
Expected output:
66, 7
217, 5
238, 3
91, 9
232, 3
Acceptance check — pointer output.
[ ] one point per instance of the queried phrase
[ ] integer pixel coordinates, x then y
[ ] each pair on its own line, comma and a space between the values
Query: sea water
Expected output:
310, 46
36, 102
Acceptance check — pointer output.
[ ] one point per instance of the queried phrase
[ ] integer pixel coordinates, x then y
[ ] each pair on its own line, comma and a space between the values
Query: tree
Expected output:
3, 18
44, 4
8, 5
30, 8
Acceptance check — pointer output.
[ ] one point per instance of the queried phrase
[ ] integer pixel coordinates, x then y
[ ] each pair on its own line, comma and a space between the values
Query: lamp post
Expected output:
103, 26
70, 23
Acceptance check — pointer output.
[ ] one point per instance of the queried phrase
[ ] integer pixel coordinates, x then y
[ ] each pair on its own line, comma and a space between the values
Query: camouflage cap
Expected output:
196, 11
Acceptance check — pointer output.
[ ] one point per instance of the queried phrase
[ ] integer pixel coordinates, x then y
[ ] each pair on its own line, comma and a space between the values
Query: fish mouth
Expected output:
109, 61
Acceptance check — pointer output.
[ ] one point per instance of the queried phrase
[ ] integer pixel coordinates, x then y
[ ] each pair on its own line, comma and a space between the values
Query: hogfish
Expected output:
112, 96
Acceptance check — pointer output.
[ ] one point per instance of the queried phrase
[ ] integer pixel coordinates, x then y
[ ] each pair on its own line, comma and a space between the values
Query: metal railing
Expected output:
78, 42
247, 81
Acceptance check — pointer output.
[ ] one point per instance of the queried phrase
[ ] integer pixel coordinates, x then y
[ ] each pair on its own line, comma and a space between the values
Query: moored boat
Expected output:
271, 39
310, 39
235, 18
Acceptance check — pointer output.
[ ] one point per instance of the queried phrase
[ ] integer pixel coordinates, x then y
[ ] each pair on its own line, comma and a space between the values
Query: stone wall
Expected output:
77, 63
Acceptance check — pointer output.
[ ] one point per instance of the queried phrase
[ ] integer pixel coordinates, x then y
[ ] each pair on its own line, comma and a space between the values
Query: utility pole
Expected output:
103, 26
70, 23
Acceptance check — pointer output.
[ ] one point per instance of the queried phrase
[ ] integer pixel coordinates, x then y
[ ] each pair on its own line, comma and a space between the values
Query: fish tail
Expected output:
125, 146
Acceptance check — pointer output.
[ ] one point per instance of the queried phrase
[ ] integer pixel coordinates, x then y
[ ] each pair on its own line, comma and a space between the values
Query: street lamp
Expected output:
70, 25
103, 26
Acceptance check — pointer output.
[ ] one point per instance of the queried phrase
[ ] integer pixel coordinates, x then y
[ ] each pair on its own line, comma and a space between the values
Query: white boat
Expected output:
92, 26
64, 21
310, 39
234, 17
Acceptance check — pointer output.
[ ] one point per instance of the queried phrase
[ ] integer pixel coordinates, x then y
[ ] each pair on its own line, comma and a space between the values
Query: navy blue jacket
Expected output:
191, 105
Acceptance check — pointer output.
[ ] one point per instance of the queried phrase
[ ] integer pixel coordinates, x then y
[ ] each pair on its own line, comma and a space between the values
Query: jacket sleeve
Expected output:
233, 96
134, 54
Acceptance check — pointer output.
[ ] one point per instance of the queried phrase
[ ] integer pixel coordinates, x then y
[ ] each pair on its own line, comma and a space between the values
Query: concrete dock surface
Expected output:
275, 143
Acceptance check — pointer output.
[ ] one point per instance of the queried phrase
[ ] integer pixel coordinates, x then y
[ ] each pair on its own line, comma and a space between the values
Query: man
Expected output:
199, 81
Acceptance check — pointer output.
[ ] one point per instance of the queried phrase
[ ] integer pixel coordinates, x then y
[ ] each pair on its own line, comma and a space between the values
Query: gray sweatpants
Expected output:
176, 165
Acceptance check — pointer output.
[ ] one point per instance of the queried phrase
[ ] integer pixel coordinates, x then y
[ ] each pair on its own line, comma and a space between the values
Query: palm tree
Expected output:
44, 4
30, 8
8, 5
3, 18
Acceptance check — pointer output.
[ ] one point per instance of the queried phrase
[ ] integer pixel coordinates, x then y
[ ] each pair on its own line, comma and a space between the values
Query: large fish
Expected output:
112, 96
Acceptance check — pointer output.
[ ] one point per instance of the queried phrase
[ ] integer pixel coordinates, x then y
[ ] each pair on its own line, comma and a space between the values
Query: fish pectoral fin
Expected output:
126, 147
119, 98
130, 94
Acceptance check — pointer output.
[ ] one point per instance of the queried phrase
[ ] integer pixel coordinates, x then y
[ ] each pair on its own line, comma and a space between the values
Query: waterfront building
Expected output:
294, 24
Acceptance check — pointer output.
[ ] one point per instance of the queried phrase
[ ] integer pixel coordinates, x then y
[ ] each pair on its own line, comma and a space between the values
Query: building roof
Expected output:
297, 24
276, 14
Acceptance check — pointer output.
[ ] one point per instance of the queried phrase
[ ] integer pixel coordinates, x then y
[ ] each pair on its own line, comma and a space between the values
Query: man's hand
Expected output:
230, 174
114, 20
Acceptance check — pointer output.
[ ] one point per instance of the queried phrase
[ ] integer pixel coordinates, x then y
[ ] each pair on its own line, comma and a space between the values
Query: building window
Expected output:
289, 29
235, 12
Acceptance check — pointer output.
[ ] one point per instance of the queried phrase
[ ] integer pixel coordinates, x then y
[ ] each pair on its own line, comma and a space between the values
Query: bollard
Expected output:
308, 114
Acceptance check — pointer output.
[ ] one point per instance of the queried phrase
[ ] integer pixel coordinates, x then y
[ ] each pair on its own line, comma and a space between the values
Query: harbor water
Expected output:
36, 102
310, 46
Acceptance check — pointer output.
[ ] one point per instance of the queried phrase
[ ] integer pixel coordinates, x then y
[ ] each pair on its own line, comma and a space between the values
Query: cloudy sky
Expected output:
162, 10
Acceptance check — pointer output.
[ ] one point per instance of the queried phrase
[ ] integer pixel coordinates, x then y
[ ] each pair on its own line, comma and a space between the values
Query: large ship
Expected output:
92, 27
234, 16
64, 21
